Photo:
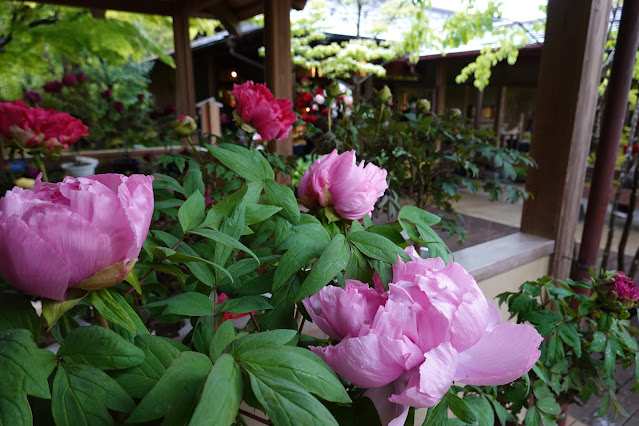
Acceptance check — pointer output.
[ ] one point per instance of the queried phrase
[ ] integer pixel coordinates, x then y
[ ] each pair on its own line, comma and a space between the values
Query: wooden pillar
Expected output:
212, 77
564, 113
278, 66
500, 113
184, 80
440, 88
479, 102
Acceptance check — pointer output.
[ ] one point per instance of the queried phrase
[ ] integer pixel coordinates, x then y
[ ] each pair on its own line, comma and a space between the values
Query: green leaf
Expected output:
549, 405
101, 348
356, 227
460, 409
299, 366
187, 304
437, 415
164, 181
191, 214
333, 260
598, 342
569, 334
52, 310
609, 360
105, 303
177, 391
358, 268
482, 409
224, 335
245, 304
241, 161
132, 278
22, 371
389, 232
222, 394
224, 239
282, 196
288, 404
377, 247
256, 213
418, 216
298, 256
164, 268
14, 408
532, 417
16, 312
256, 340
82, 395
193, 180
159, 353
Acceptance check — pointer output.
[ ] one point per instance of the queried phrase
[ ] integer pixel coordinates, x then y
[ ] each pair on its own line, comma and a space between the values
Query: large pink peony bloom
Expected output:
255, 104
83, 232
336, 180
432, 327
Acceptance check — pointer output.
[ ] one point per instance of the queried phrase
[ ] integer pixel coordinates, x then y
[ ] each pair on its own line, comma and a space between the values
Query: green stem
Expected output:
329, 117
195, 151
37, 161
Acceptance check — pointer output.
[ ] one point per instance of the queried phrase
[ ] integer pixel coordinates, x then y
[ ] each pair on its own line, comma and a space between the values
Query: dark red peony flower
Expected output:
69, 80
53, 87
118, 106
106, 94
309, 118
170, 110
141, 96
32, 97
82, 76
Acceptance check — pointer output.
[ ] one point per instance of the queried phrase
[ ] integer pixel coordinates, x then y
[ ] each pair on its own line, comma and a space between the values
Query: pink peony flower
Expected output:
625, 288
83, 232
256, 106
36, 128
336, 180
408, 344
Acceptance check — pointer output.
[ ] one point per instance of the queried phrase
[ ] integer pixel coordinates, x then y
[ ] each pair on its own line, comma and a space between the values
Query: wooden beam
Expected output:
278, 65
184, 80
500, 114
479, 105
569, 78
152, 7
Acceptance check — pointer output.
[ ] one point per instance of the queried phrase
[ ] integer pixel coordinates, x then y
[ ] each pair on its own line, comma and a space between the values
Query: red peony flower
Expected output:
32, 97
52, 87
324, 111
625, 288
106, 94
141, 96
118, 106
257, 107
170, 110
42, 129
81, 76
309, 118
69, 80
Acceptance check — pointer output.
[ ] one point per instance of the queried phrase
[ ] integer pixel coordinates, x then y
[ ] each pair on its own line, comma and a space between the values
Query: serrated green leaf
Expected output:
288, 404
20, 364
186, 304
82, 394
333, 260
299, 366
222, 394
159, 353
101, 348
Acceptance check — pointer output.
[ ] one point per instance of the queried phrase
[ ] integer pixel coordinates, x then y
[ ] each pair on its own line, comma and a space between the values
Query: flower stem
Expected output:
254, 417
37, 161
195, 151
99, 319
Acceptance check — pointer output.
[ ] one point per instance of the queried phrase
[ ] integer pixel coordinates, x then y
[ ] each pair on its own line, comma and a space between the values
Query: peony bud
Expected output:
184, 125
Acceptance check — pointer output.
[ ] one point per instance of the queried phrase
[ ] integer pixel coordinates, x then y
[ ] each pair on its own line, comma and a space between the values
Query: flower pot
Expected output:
82, 166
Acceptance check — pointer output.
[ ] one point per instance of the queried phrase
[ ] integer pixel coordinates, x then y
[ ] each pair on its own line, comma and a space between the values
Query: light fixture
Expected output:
234, 74
308, 109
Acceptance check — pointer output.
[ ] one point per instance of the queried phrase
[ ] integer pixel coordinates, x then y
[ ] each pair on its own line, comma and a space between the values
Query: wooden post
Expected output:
185, 84
500, 113
440, 88
278, 65
478, 107
569, 78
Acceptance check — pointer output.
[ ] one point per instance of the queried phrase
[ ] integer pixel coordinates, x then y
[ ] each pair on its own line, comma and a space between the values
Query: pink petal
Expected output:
470, 320
502, 355
368, 361
343, 312
428, 383
19, 246
84, 249
390, 414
